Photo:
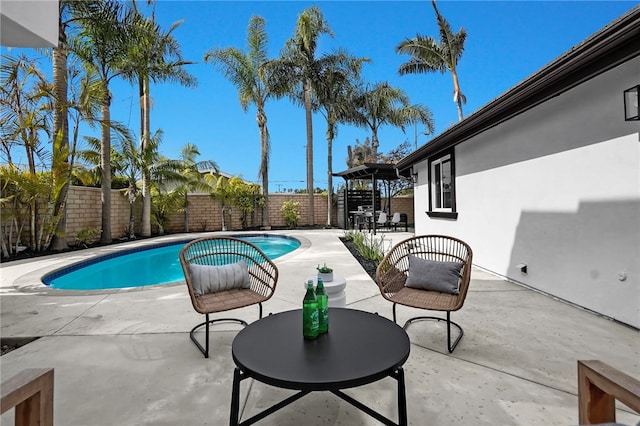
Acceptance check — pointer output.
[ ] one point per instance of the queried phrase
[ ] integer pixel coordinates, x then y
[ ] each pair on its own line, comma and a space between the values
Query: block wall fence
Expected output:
204, 213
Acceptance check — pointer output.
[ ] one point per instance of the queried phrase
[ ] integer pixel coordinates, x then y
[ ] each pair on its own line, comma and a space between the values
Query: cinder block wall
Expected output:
204, 213
403, 204
84, 210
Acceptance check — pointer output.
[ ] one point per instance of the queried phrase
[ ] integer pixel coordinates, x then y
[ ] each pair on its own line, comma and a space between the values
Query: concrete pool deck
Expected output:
124, 357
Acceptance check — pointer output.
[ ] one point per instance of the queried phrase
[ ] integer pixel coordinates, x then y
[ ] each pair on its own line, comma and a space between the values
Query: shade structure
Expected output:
374, 172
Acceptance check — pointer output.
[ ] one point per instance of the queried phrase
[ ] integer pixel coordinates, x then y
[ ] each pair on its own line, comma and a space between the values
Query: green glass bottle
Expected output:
323, 306
310, 325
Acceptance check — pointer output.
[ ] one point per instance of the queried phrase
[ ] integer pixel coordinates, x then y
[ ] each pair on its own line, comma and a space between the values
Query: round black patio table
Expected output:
360, 348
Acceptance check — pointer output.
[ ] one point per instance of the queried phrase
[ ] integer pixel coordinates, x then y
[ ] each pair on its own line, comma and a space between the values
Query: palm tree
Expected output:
382, 104
60, 121
298, 73
243, 70
85, 96
190, 175
70, 12
332, 96
102, 45
24, 113
24, 117
155, 56
221, 189
131, 162
429, 55
163, 206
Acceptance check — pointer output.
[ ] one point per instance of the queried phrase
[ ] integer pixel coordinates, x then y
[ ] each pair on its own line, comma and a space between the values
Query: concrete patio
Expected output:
124, 357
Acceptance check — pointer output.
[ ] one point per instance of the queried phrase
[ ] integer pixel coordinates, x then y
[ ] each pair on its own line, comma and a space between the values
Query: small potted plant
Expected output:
325, 273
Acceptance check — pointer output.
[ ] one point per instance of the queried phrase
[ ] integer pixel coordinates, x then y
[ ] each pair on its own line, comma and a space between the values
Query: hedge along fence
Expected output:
84, 211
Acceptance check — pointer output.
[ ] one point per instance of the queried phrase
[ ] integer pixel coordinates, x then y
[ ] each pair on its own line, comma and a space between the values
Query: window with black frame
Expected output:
442, 199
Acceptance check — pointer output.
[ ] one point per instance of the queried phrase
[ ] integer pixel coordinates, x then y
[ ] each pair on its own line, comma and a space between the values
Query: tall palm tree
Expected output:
383, 104
430, 55
70, 13
60, 121
243, 70
297, 74
332, 93
102, 45
155, 56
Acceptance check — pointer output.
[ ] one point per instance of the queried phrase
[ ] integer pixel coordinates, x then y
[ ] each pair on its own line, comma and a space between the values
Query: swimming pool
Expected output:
147, 266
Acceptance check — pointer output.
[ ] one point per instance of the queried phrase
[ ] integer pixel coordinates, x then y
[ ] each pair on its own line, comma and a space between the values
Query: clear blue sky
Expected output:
506, 42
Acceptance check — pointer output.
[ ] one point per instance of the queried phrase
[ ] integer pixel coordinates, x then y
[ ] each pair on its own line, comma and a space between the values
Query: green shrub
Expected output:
369, 247
290, 213
87, 235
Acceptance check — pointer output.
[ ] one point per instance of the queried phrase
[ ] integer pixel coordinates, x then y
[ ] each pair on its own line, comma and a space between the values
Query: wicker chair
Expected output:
263, 276
392, 273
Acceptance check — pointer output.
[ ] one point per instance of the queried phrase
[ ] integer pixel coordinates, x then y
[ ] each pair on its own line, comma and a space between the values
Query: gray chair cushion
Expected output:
211, 279
435, 276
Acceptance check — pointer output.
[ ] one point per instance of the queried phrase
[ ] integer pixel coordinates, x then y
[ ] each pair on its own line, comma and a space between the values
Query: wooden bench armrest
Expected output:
599, 385
31, 393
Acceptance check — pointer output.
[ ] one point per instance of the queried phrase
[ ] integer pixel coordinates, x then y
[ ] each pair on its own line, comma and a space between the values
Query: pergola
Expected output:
374, 172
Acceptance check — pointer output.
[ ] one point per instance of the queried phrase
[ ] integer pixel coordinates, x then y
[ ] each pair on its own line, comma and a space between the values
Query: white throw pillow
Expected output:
211, 279
432, 275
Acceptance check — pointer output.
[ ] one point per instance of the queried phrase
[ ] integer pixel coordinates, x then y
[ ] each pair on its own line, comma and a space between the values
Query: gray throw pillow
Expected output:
432, 275
211, 279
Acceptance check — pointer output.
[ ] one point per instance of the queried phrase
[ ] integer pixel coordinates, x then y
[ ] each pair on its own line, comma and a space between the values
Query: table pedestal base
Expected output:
239, 375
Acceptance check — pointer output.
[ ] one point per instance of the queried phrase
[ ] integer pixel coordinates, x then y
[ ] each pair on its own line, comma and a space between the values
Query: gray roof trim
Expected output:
615, 44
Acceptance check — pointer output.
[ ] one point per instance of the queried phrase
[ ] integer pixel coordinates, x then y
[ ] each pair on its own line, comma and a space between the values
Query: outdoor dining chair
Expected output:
430, 272
382, 220
395, 220
225, 273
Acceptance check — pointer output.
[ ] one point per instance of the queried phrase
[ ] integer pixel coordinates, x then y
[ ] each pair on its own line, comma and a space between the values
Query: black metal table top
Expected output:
359, 348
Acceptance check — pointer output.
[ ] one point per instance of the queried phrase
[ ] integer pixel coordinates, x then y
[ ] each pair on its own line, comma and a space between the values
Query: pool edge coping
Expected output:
31, 282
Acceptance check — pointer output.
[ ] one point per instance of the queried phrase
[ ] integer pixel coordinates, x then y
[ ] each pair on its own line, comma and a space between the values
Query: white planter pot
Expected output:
326, 276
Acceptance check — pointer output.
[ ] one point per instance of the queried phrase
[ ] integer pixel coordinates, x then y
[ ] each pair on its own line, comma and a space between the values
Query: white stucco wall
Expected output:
557, 188
29, 23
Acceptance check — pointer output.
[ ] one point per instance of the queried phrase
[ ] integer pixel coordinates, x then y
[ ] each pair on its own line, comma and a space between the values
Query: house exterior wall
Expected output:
29, 23
557, 188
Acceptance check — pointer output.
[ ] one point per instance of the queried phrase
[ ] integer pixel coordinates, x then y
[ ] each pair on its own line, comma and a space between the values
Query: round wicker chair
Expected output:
392, 273
219, 251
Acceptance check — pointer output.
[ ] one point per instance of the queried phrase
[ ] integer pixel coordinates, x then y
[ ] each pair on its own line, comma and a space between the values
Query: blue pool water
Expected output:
146, 266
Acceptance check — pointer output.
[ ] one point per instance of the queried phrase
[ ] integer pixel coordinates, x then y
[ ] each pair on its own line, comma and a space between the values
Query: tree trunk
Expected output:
132, 222
105, 162
329, 173
374, 145
456, 94
307, 107
261, 118
145, 123
60, 167
186, 211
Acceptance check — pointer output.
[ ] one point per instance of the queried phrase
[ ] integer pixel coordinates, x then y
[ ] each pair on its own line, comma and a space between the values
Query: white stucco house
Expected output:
29, 23
544, 181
